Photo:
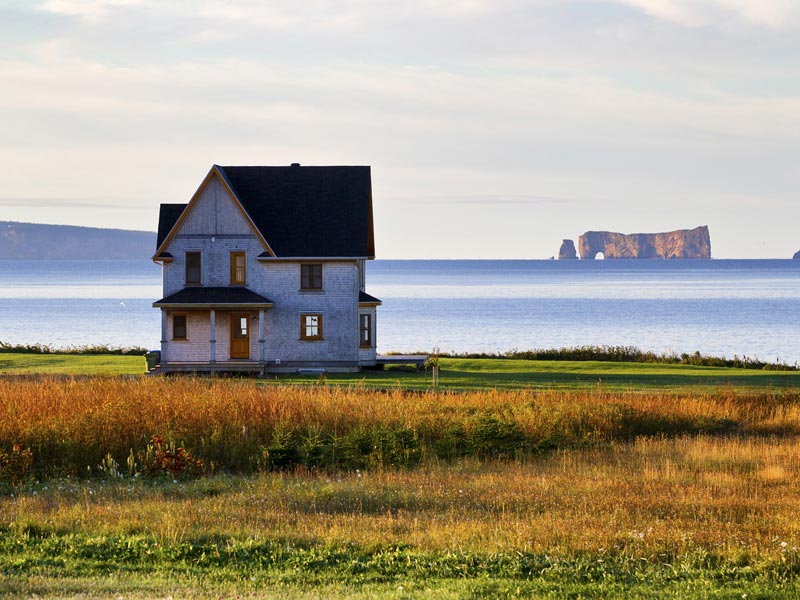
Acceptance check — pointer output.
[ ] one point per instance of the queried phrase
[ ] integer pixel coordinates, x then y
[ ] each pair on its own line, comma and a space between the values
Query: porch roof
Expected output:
365, 298
214, 297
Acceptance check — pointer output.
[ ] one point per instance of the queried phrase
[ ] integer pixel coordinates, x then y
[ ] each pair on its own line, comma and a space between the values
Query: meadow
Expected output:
457, 373
323, 491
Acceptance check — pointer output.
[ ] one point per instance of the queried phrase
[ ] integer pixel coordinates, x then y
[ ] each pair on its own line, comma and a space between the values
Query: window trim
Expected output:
199, 268
233, 254
185, 317
362, 343
303, 327
311, 279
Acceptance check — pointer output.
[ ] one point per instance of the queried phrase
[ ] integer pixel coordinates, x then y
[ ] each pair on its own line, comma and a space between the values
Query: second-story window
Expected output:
310, 276
238, 268
193, 268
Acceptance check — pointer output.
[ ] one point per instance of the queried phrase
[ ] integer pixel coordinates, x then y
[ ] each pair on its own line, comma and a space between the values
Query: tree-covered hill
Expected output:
37, 241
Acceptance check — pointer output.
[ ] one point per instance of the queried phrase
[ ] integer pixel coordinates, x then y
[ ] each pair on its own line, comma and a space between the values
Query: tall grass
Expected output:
695, 499
548, 493
72, 425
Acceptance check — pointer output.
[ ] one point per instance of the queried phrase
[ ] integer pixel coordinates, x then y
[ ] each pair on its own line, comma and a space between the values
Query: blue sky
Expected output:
494, 128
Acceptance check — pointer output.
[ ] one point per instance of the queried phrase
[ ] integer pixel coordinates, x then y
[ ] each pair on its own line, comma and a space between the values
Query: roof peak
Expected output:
292, 166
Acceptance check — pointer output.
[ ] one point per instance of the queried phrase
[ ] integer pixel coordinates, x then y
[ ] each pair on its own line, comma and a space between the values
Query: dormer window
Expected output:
311, 277
193, 268
238, 268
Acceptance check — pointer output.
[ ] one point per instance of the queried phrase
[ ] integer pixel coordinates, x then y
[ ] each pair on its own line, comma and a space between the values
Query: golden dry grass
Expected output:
690, 484
666, 497
71, 424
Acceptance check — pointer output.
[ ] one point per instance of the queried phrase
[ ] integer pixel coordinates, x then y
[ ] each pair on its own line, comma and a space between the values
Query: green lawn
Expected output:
455, 373
13, 363
462, 373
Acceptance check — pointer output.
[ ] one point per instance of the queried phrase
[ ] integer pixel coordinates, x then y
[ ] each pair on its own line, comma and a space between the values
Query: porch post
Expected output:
163, 336
212, 342
261, 336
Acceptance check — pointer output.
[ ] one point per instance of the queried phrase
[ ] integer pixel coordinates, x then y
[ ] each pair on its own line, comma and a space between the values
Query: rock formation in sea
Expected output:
797, 255
567, 250
683, 243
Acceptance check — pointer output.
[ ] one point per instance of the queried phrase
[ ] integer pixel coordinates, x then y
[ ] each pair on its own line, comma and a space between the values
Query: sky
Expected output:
494, 128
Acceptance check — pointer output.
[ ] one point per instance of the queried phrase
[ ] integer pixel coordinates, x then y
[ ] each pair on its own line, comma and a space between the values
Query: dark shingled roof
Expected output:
214, 295
365, 297
167, 217
301, 211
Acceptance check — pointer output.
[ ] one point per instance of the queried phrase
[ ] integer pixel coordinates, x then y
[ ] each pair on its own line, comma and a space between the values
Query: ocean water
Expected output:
720, 307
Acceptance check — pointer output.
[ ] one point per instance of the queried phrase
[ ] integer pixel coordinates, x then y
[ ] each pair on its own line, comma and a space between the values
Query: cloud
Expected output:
556, 109
488, 199
90, 10
775, 14
19, 202
287, 13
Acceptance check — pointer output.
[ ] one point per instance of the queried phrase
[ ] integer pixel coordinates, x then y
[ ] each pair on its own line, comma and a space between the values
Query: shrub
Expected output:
282, 451
162, 458
15, 467
360, 448
88, 349
484, 436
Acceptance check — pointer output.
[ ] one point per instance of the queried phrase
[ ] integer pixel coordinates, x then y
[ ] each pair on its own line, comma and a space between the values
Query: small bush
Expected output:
15, 466
485, 436
162, 458
359, 448
282, 451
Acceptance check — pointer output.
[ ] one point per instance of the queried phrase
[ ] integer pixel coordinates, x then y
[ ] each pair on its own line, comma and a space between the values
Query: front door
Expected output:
240, 336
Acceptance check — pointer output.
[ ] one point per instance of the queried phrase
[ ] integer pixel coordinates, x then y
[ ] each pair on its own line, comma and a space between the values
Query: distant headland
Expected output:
32, 241
682, 243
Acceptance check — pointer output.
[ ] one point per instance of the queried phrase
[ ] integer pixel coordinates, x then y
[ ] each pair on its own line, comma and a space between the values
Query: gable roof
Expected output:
365, 298
167, 217
300, 211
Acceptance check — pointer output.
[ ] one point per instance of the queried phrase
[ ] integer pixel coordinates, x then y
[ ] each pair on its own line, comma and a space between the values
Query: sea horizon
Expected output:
719, 307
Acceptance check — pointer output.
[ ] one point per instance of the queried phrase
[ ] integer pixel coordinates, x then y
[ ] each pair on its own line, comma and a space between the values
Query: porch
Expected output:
228, 366
207, 329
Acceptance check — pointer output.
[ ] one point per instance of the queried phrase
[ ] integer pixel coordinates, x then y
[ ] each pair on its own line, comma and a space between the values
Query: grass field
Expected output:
456, 373
20, 363
331, 492
463, 373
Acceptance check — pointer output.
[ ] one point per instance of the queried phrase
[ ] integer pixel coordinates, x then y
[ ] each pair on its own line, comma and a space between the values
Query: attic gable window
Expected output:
311, 277
193, 268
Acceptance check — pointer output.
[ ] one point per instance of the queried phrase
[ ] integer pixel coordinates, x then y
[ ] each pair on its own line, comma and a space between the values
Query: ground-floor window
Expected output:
311, 326
179, 328
365, 327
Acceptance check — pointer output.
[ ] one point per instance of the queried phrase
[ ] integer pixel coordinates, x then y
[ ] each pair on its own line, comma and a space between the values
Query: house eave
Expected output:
266, 259
215, 305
